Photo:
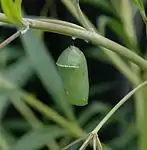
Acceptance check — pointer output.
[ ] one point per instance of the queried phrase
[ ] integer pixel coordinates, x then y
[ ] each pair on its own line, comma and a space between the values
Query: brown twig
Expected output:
10, 39
75, 142
15, 35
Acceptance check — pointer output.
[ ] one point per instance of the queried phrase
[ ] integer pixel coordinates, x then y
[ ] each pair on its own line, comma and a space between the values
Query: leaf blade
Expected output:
47, 72
12, 10
37, 139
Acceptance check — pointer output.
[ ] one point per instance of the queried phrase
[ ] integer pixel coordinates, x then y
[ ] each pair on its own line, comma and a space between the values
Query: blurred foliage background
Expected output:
29, 63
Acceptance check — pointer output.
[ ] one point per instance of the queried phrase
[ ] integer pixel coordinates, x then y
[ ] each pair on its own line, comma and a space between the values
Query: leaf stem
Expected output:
93, 37
117, 106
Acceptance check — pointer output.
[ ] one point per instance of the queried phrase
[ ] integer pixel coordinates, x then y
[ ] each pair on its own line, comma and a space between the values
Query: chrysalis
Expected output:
72, 67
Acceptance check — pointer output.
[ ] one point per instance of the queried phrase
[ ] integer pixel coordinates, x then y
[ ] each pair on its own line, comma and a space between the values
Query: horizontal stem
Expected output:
92, 37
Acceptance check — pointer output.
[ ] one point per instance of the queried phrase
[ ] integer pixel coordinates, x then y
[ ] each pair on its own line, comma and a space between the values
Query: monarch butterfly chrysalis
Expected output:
73, 70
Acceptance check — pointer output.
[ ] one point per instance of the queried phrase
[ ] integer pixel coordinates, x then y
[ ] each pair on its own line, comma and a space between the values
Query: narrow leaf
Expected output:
12, 10
141, 8
37, 139
46, 70
17, 73
4, 103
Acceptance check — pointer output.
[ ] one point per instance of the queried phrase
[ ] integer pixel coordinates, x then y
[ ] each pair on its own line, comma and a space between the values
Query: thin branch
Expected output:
75, 142
92, 37
99, 145
10, 39
94, 143
117, 106
85, 144
15, 35
67, 24
69, 4
82, 17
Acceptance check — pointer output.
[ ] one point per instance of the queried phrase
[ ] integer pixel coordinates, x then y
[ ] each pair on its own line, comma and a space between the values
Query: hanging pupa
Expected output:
73, 70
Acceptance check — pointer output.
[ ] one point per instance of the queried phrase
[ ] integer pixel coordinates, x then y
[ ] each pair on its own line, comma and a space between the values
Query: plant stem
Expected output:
140, 97
10, 39
115, 59
94, 143
117, 106
84, 145
99, 145
74, 142
93, 37
122, 67
71, 7
82, 17
143, 123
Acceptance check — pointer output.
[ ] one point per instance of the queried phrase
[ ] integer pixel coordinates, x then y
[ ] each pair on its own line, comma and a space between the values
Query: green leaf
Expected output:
128, 24
140, 6
114, 25
38, 138
95, 53
102, 4
12, 10
8, 137
47, 71
8, 53
17, 73
12, 52
17, 125
4, 103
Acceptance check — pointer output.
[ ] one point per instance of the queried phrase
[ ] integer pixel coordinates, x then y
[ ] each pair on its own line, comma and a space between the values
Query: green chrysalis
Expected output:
72, 67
